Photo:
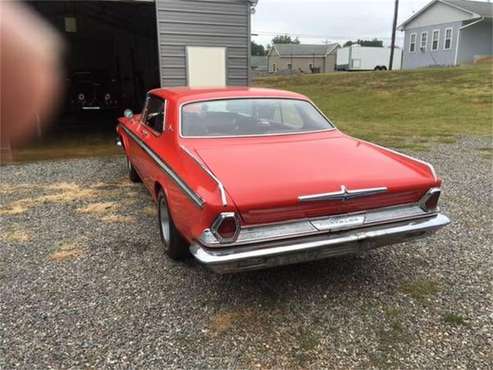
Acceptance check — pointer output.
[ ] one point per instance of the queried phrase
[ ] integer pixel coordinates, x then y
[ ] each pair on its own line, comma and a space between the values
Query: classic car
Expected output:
249, 178
93, 90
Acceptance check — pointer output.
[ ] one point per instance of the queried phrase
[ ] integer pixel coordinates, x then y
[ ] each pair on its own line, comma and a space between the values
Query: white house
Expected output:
448, 32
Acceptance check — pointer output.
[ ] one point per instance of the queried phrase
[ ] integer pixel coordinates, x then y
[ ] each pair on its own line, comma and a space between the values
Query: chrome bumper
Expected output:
310, 248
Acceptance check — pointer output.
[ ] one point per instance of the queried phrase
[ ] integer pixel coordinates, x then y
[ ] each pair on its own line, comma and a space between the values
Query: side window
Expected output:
154, 113
412, 43
424, 40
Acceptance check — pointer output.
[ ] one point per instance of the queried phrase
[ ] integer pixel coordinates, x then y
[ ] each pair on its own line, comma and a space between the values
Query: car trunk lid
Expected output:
266, 177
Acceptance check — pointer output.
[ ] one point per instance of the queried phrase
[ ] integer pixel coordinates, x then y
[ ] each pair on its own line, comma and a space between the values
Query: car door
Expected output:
150, 132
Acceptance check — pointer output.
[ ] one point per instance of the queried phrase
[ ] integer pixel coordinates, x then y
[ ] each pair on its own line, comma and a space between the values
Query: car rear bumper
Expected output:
310, 248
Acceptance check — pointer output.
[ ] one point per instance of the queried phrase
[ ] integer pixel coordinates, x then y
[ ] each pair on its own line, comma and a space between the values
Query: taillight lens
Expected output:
226, 227
429, 202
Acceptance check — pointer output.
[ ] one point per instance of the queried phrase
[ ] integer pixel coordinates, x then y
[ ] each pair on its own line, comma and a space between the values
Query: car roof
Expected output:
187, 94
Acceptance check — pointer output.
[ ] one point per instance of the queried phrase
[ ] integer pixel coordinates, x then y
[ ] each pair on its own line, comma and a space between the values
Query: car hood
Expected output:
264, 178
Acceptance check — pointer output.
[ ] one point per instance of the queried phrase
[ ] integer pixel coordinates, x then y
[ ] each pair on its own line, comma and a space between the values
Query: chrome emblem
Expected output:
344, 194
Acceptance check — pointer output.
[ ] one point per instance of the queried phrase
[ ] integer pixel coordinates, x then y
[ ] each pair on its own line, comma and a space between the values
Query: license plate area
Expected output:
338, 223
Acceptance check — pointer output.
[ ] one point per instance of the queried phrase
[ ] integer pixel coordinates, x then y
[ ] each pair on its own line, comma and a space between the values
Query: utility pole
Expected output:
394, 29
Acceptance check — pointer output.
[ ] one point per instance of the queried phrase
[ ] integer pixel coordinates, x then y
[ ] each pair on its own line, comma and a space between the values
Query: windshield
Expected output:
246, 117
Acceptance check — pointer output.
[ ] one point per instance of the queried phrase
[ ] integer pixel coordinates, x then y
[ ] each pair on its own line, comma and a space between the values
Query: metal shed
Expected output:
192, 33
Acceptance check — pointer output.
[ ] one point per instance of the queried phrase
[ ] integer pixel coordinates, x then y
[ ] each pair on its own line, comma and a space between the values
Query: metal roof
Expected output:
480, 8
287, 50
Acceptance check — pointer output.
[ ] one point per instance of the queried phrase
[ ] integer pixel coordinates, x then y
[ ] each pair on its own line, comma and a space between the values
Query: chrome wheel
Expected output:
164, 221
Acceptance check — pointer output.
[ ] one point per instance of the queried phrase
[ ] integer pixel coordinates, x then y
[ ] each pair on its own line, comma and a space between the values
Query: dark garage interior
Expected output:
111, 60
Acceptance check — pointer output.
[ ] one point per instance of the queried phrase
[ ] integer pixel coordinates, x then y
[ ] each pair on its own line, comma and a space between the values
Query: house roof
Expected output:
287, 50
477, 9
480, 8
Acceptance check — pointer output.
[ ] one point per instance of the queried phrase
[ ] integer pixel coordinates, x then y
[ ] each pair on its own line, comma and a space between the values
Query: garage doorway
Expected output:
111, 60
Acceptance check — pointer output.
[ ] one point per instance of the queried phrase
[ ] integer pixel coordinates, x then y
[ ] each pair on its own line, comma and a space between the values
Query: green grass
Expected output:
486, 153
404, 109
420, 289
454, 319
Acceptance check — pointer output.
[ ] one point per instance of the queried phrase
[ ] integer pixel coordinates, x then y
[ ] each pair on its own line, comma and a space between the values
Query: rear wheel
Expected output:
175, 245
132, 173
377, 68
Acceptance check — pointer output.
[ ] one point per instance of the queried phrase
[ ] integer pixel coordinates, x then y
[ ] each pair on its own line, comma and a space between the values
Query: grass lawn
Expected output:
402, 109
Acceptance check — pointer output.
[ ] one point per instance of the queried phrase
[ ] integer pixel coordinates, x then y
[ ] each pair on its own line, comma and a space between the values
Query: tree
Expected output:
285, 39
258, 49
375, 43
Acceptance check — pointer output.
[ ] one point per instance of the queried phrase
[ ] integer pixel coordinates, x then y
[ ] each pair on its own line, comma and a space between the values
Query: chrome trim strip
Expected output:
430, 167
314, 248
343, 194
202, 165
166, 168
180, 112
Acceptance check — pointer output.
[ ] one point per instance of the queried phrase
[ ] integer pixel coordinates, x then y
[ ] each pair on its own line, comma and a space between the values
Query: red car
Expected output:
248, 178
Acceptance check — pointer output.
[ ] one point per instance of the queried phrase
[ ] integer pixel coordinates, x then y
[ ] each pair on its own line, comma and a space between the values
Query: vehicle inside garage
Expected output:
111, 60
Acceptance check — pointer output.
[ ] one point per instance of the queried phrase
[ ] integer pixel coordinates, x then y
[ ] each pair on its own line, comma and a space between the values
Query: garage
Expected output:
115, 51
111, 57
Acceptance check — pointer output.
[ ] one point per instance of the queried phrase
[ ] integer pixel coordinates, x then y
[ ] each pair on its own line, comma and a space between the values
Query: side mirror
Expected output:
128, 113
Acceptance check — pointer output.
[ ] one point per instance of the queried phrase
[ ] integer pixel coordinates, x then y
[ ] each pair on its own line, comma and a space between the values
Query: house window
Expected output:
412, 43
290, 66
448, 39
424, 40
274, 68
435, 40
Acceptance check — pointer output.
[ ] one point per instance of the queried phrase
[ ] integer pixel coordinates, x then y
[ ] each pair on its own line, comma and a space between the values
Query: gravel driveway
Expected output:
85, 284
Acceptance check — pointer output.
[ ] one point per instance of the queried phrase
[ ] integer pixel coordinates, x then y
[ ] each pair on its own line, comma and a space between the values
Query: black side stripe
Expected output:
194, 197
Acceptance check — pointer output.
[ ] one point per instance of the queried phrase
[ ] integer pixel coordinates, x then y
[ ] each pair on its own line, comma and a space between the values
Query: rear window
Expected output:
247, 117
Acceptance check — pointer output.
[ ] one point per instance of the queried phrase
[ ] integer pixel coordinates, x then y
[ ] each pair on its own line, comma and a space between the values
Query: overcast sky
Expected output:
315, 21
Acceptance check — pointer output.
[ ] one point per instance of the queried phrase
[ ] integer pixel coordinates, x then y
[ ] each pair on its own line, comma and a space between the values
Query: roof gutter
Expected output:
458, 37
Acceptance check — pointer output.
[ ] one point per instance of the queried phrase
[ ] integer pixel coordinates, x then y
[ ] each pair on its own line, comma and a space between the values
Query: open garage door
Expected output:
111, 57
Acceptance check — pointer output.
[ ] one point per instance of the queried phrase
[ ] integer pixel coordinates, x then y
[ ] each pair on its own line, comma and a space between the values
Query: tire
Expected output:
383, 68
174, 244
132, 173
377, 68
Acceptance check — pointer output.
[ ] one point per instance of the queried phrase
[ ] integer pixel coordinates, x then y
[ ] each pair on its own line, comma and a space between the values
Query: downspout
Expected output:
458, 37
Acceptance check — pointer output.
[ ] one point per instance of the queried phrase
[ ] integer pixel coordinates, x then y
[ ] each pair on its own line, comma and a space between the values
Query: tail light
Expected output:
429, 202
226, 227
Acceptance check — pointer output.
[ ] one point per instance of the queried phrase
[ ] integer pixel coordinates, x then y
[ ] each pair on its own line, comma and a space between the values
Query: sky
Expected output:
317, 21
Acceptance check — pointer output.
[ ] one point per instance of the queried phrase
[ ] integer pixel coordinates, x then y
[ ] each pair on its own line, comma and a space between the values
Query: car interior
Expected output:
260, 117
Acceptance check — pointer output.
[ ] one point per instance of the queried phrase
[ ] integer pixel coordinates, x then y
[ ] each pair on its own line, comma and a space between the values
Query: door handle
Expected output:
145, 132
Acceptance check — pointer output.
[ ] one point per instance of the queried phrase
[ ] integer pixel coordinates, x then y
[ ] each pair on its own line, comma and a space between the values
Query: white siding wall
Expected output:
437, 14
475, 40
428, 57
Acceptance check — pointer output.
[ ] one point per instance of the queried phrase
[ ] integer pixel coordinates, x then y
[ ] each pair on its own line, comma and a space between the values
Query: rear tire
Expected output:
174, 244
132, 173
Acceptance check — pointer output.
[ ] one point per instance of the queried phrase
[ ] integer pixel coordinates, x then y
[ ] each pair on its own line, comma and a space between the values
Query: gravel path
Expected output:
84, 284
